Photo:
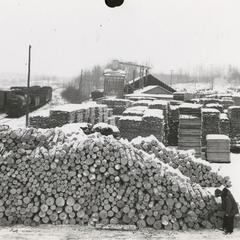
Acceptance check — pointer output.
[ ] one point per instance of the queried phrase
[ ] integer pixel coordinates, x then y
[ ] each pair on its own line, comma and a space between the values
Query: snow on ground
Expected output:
51, 232
233, 170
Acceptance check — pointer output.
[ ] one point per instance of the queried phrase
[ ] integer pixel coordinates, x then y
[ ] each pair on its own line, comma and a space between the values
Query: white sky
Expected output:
68, 35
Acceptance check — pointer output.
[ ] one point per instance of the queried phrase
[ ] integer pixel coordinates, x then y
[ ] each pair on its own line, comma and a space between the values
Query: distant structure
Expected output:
114, 81
151, 85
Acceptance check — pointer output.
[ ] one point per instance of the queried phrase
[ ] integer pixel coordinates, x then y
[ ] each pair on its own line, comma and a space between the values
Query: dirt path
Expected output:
48, 232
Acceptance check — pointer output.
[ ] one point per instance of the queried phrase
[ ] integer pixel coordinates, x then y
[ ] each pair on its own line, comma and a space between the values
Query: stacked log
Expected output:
218, 148
224, 124
173, 123
210, 123
106, 129
164, 106
190, 128
49, 178
199, 171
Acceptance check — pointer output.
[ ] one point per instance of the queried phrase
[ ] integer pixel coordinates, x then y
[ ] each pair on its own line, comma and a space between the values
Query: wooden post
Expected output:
28, 84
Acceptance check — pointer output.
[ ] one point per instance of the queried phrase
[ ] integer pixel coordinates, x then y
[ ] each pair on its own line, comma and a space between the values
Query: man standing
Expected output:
230, 208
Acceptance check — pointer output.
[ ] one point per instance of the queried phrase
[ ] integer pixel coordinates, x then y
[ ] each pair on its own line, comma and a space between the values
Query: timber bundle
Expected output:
62, 176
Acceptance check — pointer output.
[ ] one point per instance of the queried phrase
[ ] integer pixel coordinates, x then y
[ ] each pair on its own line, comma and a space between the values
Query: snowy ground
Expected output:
48, 232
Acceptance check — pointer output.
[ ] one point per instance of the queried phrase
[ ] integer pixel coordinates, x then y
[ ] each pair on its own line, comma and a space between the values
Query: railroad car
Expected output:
14, 101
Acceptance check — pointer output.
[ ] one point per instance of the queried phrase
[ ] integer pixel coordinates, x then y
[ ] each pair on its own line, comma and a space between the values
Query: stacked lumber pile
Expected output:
64, 114
199, 171
144, 103
218, 148
227, 102
234, 116
129, 126
190, 127
236, 100
118, 105
164, 106
210, 123
135, 111
224, 124
48, 177
173, 123
217, 106
42, 121
71, 113
151, 122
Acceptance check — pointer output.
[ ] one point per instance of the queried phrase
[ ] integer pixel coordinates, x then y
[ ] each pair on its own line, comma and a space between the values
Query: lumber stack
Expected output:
164, 106
199, 171
118, 105
135, 111
236, 100
224, 124
234, 116
129, 126
153, 122
150, 121
227, 102
144, 103
218, 148
173, 123
210, 123
190, 128
217, 106
49, 177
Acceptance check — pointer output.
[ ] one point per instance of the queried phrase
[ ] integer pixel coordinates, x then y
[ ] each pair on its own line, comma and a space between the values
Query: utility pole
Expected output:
171, 80
28, 83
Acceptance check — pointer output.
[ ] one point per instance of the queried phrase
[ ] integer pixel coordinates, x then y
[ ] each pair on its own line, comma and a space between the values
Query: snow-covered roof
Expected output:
223, 116
145, 89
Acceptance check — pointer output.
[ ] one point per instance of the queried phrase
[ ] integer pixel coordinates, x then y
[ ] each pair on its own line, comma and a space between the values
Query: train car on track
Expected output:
14, 101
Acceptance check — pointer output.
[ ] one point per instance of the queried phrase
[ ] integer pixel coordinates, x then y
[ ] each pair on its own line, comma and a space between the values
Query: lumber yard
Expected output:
122, 160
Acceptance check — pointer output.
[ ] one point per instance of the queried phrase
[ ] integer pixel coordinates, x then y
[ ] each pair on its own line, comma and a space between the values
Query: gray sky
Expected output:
67, 35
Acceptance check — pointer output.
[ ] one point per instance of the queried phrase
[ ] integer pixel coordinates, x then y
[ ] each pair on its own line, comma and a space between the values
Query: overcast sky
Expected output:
68, 35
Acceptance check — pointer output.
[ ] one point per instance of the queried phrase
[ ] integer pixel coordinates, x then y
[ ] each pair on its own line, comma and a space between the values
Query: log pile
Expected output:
199, 171
224, 124
210, 123
118, 105
190, 128
48, 177
173, 123
218, 148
